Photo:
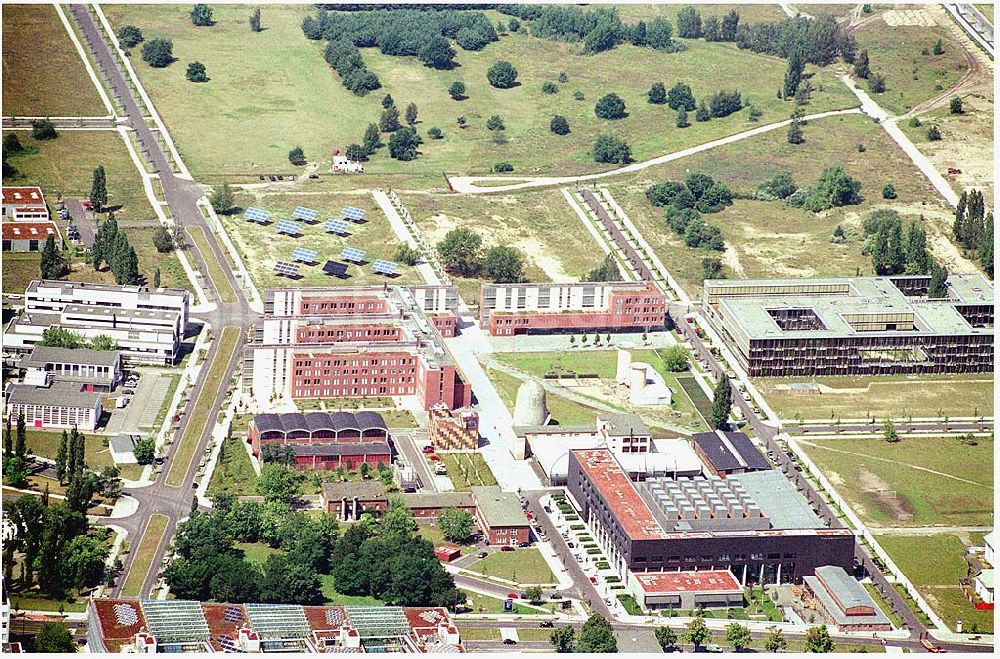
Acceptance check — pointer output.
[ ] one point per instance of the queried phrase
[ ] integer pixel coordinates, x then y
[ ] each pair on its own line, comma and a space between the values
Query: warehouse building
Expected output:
725, 453
685, 591
52, 405
324, 440
512, 309
98, 370
500, 516
353, 342
29, 236
844, 603
24, 204
756, 525
854, 326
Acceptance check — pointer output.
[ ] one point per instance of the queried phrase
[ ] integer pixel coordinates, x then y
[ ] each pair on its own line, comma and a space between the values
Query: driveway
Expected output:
85, 222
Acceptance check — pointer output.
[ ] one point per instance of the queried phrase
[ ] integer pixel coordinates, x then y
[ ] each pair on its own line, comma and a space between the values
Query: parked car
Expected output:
427, 449
506, 548
570, 545
435, 458
593, 580
512, 596
509, 641
546, 624
484, 554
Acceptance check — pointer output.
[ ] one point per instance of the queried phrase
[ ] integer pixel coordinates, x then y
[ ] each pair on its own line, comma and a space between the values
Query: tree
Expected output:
795, 132
145, 451
503, 264
660, 35
11, 144
722, 402
955, 105
411, 114
389, 121
888, 191
793, 75
356, 153
889, 433
549, 87
388, 102
196, 72
158, 53
730, 24
738, 636
54, 637
775, 641
277, 483
688, 23
607, 271
20, 441
665, 636
861, 66
98, 189
52, 264
372, 139
563, 639
834, 188
818, 640
986, 246
876, 83
129, 36
938, 288
297, 156
611, 149
610, 106
456, 524
559, 125
702, 113
85, 558
162, 240
939, 47
711, 268
725, 103
221, 200
61, 457
457, 91
495, 122
403, 144
16, 471
103, 343
714, 198
682, 119
43, 129
657, 94
502, 75
437, 53
676, 358
288, 582
596, 636
201, 15
255, 25
933, 134
697, 632
680, 96
710, 29
460, 251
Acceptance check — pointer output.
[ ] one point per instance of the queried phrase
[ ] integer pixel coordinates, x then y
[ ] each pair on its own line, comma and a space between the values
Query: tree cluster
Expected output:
60, 337
461, 252
611, 149
599, 29
819, 41
607, 271
129, 36
834, 188
53, 264
684, 203
111, 246
891, 252
596, 636
973, 227
345, 58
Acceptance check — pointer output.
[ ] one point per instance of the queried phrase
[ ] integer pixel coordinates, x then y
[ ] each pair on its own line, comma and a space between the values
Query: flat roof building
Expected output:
500, 516
844, 602
24, 204
854, 326
685, 591
100, 369
512, 309
54, 405
726, 453
755, 525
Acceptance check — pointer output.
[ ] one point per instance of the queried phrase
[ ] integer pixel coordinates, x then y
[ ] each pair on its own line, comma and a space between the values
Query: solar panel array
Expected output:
228, 644
233, 614
336, 226
176, 620
352, 213
334, 617
384, 267
352, 254
335, 269
258, 215
286, 269
305, 214
125, 614
289, 227
304, 255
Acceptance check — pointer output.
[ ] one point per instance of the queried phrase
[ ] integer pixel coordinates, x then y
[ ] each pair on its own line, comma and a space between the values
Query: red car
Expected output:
593, 580
506, 548
428, 449
87, 206
512, 596
435, 458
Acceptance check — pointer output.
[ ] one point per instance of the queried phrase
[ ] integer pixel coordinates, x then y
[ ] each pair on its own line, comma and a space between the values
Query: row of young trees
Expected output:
738, 636
461, 252
973, 228
112, 247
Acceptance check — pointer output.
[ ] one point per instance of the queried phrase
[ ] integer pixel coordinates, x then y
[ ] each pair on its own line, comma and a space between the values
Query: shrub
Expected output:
297, 156
933, 134
955, 105
501, 167
657, 94
162, 240
43, 129
129, 36
201, 15
495, 123
578, 95
434, 133
559, 125
779, 187
572, 518
889, 191
723, 103
196, 72
502, 75
549, 88
610, 106
876, 83
158, 53
457, 91
610, 149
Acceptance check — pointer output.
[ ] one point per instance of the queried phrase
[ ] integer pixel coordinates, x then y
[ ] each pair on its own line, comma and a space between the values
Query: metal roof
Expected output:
499, 508
52, 355
315, 421
779, 500
59, 394
730, 450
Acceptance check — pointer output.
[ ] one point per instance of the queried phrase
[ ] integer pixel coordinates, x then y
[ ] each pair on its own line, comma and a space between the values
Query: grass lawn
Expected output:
863, 470
37, 603
986, 9
298, 100
257, 552
219, 280
188, 443
772, 239
432, 532
911, 76
46, 445
897, 396
467, 470
564, 412
260, 247
333, 598
43, 74
524, 566
233, 473
65, 166
935, 564
478, 603
145, 551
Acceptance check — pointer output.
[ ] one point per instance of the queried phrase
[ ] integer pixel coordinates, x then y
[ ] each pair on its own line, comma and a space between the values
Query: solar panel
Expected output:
286, 269
352, 254
125, 614
336, 226
335, 269
352, 213
258, 215
277, 621
233, 614
176, 621
289, 227
304, 214
384, 267
304, 255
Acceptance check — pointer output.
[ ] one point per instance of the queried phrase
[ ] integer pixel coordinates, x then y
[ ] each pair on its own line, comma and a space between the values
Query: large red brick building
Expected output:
510, 309
355, 342
324, 440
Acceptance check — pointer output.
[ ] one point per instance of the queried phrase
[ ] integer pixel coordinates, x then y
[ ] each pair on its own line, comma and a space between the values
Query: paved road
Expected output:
406, 445
977, 26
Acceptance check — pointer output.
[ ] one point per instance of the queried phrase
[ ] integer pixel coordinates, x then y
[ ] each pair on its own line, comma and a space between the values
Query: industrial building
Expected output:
512, 309
354, 342
854, 326
51, 405
725, 453
685, 591
844, 603
147, 324
151, 626
500, 516
29, 236
756, 525
97, 370
24, 204
324, 440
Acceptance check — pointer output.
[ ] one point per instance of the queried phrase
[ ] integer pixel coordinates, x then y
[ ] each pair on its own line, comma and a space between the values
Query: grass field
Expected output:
229, 341
564, 412
432, 532
219, 280
467, 470
896, 396
748, 13
43, 74
46, 445
233, 473
493, 634
522, 566
144, 552
911, 76
935, 564
260, 247
478, 603
298, 99
937, 480
257, 552
333, 598
772, 239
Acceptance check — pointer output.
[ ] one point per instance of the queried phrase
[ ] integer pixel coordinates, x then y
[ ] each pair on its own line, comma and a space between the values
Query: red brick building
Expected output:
323, 440
500, 516
511, 309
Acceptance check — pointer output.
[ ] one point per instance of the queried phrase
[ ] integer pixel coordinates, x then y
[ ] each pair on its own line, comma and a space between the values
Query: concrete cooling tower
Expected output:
530, 408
